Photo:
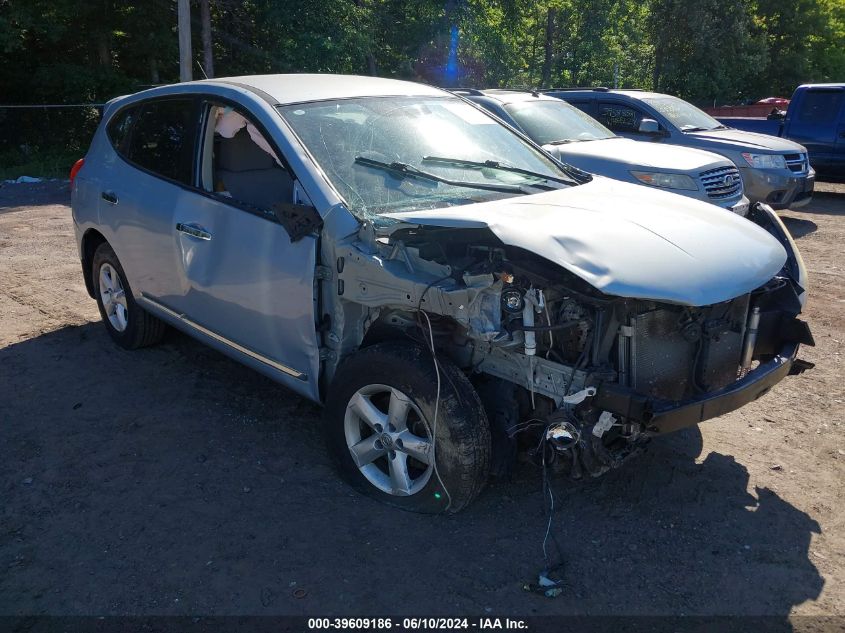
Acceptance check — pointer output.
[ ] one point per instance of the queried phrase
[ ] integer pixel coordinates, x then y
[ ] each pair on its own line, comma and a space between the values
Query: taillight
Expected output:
75, 169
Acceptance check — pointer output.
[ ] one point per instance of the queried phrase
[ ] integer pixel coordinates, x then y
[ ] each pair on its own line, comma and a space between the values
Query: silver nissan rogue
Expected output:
440, 284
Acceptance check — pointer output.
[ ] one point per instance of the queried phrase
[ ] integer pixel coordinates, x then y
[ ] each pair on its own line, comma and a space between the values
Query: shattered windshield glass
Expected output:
387, 154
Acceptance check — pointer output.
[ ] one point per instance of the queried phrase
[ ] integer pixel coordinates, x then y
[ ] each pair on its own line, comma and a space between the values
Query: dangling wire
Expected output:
430, 344
434, 422
547, 490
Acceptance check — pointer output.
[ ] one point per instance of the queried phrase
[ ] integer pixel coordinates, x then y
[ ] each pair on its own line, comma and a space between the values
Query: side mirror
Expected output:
649, 126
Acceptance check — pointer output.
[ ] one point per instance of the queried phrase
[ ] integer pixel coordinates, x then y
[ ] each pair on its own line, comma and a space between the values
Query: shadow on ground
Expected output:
798, 227
17, 197
174, 481
825, 203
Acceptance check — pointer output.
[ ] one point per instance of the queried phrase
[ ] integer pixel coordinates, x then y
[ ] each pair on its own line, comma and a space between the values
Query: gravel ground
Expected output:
173, 481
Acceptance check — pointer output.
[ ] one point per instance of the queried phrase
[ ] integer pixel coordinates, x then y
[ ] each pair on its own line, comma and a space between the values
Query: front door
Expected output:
244, 283
622, 119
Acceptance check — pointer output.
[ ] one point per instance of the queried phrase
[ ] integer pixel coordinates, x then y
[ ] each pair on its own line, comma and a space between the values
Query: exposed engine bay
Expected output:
558, 362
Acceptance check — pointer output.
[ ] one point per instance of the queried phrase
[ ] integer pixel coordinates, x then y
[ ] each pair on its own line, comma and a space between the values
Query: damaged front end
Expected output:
583, 370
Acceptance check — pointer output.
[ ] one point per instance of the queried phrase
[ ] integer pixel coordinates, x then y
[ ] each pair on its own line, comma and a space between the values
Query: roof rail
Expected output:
595, 88
533, 91
470, 91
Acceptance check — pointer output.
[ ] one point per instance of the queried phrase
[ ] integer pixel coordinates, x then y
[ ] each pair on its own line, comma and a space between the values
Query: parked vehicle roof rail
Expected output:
468, 91
596, 88
533, 91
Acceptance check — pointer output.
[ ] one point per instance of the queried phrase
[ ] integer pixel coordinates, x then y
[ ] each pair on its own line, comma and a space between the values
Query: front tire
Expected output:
129, 325
379, 421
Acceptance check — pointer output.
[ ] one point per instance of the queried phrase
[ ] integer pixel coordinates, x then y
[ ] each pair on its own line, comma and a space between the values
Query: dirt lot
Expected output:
174, 481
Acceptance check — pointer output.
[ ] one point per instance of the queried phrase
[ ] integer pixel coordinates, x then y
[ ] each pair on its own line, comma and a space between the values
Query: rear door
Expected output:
816, 122
143, 183
242, 281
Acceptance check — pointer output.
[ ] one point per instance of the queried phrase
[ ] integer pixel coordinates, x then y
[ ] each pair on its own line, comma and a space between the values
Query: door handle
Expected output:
109, 196
194, 231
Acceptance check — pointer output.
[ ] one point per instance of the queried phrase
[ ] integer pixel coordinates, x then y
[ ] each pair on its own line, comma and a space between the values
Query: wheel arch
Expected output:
385, 328
91, 240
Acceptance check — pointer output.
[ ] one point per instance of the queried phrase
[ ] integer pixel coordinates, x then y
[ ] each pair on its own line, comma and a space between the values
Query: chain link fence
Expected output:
45, 139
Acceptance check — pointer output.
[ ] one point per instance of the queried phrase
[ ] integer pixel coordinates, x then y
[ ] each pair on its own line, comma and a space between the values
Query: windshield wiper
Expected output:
493, 164
404, 170
693, 128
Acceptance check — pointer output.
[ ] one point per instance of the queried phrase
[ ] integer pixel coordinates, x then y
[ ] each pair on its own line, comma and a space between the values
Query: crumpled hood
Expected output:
628, 240
742, 141
592, 156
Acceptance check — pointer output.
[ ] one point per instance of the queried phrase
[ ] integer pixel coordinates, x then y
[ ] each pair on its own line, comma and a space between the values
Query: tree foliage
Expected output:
707, 51
66, 50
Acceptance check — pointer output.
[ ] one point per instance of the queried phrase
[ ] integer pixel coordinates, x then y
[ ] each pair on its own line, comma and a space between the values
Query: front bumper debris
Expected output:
660, 416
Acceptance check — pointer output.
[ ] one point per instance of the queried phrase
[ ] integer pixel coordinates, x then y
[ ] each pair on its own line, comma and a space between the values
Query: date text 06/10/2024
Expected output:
417, 624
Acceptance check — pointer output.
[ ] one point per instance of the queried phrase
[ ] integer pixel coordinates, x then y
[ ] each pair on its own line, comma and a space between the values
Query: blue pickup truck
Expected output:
815, 119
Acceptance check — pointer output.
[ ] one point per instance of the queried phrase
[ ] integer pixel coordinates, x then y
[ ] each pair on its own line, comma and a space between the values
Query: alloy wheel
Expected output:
113, 297
389, 440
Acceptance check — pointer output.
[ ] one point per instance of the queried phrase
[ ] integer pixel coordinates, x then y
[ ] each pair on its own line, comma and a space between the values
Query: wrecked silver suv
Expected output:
446, 289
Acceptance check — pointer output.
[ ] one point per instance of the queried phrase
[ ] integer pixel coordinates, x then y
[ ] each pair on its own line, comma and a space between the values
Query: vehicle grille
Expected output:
721, 183
663, 356
797, 163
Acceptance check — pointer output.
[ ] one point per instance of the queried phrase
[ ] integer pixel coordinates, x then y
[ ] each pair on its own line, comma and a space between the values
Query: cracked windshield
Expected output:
390, 154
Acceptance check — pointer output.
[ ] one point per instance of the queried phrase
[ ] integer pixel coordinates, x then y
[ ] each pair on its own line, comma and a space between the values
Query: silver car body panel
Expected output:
248, 291
630, 241
636, 155
286, 89
627, 240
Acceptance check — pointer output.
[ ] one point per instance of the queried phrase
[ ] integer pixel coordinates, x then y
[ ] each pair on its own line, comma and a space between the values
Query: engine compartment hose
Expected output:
520, 327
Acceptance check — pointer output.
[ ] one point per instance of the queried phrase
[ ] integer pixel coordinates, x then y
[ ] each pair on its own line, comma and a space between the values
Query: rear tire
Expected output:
380, 408
129, 325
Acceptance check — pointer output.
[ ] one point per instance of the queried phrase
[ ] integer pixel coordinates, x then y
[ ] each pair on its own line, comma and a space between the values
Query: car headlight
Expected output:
667, 181
765, 161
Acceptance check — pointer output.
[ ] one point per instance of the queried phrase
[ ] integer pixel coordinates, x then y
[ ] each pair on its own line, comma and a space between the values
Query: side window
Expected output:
619, 117
163, 138
821, 107
240, 163
119, 128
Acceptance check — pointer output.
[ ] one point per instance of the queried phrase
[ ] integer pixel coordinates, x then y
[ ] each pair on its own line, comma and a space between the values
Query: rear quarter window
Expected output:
119, 127
163, 138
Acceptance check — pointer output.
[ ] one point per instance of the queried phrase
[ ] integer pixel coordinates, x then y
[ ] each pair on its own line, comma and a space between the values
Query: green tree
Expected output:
805, 42
705, 50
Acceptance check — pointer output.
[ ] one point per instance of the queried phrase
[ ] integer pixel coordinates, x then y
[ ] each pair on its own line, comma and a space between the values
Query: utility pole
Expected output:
207, 49
184, 13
